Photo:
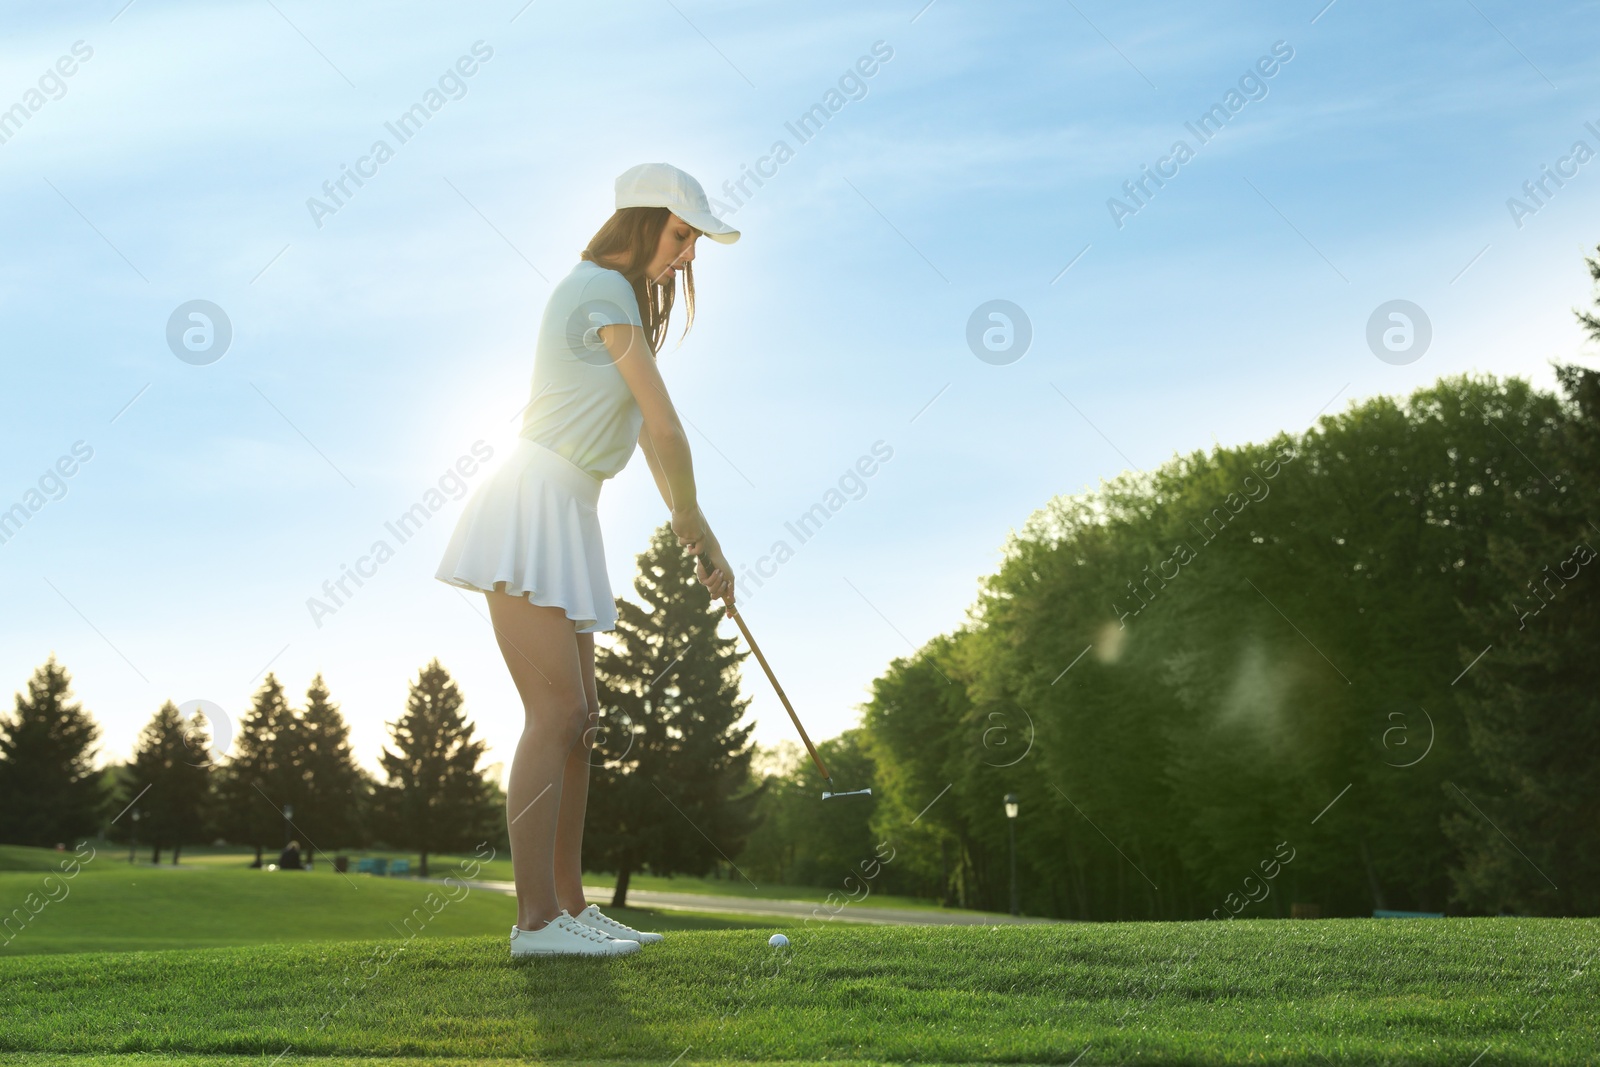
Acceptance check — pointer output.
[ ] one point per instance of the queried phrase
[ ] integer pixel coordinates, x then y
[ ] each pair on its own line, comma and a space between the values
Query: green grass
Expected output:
1278, 992
110, 906
27, 858
736, 887
18, 857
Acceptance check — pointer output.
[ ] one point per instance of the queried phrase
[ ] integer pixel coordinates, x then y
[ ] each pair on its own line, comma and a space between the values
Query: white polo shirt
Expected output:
581, 407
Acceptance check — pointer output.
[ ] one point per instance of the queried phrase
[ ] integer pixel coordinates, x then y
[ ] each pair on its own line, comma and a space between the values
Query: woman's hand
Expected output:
690, 526
719, 582
697, 540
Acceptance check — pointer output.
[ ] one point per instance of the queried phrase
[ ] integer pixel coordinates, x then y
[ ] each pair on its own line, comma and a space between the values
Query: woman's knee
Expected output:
563, 723
591, 734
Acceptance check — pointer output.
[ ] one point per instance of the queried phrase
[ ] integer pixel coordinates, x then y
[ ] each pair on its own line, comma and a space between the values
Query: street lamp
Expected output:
1011, 824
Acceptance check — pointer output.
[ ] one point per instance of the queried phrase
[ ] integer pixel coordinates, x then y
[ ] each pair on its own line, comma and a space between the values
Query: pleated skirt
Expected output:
534, 526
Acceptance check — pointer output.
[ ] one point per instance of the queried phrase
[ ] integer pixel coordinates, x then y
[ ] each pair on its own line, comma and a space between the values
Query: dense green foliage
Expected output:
670, 769
436, 798
259, 776
169, 776
1533, 709
1507, 991
804, 840
334, 792
177, 791
297, 759
1180, 672
49, 790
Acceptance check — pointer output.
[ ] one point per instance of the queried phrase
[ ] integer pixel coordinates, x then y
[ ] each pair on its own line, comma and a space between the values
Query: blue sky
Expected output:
370, 353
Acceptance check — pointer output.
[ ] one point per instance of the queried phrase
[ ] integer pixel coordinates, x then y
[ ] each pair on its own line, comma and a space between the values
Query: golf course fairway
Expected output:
1357, 991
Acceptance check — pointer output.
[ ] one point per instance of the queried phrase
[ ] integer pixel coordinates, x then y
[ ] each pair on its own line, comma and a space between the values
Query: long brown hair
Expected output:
632, 234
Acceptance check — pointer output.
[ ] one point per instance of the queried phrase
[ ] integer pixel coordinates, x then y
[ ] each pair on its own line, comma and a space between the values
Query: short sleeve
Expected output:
607, 300
615, 298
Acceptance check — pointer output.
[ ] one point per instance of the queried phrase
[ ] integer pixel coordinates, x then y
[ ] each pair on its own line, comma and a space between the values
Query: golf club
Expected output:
830, 792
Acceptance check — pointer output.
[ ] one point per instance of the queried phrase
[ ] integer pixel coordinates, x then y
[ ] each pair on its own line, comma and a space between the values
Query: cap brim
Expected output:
714, 228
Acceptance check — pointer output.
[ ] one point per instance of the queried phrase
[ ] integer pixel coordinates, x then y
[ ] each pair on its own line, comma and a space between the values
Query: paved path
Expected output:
780, 909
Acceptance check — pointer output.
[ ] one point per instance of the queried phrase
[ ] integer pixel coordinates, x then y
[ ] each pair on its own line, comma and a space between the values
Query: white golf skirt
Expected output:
533, 525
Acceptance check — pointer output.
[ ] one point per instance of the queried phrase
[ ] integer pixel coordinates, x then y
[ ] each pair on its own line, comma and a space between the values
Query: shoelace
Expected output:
609, 921
569, 923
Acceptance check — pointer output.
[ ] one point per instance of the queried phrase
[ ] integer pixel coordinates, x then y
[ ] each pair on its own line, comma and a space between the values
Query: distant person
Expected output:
529, 538
289, 858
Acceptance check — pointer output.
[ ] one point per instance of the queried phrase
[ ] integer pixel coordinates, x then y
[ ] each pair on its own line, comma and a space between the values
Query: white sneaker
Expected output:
566, 936
605, 924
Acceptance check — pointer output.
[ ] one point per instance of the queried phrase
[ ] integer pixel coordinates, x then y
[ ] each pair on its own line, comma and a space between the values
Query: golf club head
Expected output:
851, 793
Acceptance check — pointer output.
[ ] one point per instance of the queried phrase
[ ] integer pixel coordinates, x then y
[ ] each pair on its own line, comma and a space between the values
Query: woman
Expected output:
529, 538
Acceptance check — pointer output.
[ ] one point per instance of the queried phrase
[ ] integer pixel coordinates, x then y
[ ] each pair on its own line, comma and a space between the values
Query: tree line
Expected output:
1343, 670
290, 773
1368, 646
1350, 669
671, 788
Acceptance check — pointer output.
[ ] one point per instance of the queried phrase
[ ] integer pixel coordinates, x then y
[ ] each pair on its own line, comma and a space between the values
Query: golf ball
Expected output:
777, 941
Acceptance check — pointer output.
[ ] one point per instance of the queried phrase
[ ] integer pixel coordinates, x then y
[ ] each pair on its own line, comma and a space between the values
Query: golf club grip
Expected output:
705, 562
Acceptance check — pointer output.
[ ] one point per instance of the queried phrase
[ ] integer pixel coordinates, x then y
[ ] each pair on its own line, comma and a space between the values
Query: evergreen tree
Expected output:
262, 777
173, 807
1534, 704
436, 798
670, 784
328, 811
50, 792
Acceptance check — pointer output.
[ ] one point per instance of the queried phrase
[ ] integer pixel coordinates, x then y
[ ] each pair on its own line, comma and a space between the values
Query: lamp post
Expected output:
1011, 824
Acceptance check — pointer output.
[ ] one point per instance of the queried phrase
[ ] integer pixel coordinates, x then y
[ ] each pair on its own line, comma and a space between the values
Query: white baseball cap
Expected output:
663, 185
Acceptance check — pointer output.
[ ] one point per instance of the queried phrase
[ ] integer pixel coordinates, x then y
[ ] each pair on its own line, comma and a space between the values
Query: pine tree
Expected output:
50, 792
172, 807
328, 811
436, 798
261, 777
669, 788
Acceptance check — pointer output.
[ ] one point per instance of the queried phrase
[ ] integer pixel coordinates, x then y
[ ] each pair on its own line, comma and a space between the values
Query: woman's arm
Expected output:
667, 444
666, 450
656, 472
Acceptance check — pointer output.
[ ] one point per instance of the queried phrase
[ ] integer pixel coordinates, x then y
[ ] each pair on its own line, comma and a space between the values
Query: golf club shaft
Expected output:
782, 696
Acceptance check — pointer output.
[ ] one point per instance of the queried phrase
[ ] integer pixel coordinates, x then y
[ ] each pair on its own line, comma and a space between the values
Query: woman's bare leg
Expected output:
541, 651
575, 793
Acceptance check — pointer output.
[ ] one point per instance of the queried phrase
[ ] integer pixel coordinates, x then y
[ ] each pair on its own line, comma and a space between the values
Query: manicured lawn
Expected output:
737, 887
110, 906
500, 871
1259, 991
